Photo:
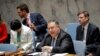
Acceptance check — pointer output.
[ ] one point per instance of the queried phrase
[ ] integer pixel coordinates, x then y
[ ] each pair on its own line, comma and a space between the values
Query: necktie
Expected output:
83, 33
18, 39
53, 42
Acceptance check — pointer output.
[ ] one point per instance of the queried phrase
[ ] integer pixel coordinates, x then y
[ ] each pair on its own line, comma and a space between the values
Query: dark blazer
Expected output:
97, 53
91, 37
92, 34
38, 20
63, 44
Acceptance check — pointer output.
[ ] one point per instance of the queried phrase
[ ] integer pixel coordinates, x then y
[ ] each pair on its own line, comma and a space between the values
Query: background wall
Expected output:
64, 11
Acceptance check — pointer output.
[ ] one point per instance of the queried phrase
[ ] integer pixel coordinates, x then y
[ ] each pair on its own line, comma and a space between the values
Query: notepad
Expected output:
36, 53
2, 52
60, 54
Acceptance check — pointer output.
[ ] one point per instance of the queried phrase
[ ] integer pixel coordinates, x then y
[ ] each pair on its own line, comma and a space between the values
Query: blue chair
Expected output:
79, 47
8, 47
71, 29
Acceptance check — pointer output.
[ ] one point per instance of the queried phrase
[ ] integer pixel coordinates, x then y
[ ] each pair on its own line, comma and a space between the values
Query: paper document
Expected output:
36, 53
60, 54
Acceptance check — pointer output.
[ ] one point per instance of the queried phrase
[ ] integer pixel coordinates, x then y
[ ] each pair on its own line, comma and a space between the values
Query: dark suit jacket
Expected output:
91, 37
97, 53
40, 23
63, 44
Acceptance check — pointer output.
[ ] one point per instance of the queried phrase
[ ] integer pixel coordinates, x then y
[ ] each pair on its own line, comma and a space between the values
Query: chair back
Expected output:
71, 29
8, 47
79, 47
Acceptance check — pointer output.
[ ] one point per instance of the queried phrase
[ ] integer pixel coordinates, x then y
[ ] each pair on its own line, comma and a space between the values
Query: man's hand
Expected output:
32, 26
90, 54
20, 49
46, 49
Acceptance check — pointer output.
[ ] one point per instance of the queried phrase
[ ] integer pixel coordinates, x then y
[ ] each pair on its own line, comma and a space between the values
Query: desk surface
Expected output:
7, 53
22, 54
70, 55
48, 54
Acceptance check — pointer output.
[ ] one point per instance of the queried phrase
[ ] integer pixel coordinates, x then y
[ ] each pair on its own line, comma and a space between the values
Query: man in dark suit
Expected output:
56, 40
87, 32
34, 20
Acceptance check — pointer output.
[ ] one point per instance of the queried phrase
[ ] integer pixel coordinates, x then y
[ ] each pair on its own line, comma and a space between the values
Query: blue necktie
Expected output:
53, 42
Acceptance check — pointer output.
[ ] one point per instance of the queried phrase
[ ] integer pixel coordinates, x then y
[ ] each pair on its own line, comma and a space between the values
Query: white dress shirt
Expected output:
28, 19
26, 38
85, 32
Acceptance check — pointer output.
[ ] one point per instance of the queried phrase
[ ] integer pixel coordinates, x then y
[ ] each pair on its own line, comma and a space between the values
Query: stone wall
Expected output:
62, 10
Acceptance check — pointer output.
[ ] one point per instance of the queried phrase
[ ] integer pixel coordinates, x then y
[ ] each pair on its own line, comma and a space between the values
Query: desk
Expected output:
70, 55
47, 54
23, 54
11, 53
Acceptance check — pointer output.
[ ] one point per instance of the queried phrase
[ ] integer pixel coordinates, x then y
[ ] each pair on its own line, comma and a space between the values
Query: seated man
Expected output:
21, 36
56, 40
87, 32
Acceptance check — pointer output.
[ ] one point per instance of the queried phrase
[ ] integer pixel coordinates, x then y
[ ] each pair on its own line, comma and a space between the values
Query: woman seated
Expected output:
3, 31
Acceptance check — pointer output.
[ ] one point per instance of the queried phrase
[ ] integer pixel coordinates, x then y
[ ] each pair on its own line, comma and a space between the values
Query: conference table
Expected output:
23, 54
9, 53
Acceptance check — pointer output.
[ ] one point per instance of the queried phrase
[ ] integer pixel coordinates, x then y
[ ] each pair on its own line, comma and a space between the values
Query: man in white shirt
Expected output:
21, 36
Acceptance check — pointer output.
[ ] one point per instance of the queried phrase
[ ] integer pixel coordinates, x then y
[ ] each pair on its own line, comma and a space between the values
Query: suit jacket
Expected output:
40, 23
97, 53
26, 38
91, 37
63, 44
92, 34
